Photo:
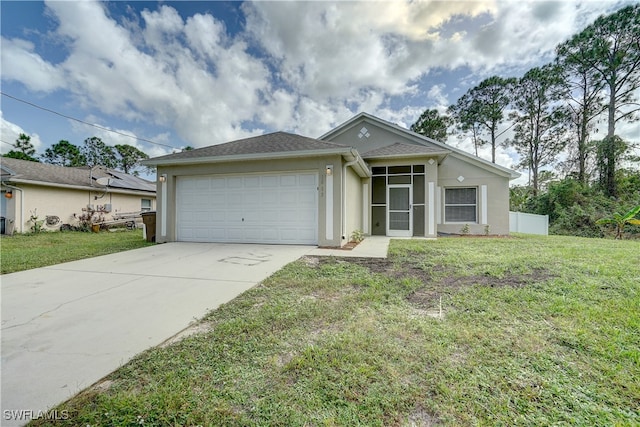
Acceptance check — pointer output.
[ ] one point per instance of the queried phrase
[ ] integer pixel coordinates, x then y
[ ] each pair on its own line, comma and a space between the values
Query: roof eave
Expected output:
439, 155
360, 166
253, 156
78, 187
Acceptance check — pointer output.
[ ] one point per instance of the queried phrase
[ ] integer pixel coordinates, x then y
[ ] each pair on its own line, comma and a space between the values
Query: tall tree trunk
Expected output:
582, 148
583, 134
610, 149
475, 140
493, 144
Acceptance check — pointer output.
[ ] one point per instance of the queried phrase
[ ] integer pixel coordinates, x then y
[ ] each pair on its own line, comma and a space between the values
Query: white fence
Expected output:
520, 222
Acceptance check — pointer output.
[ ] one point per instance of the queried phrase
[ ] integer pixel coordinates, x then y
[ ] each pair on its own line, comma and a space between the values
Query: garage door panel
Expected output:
288, 181
269, 181
268, 198
269, 216
235, 182
217, 183
267, 234
277, 208
217, 233
250, 182
306, 199
288, 198
234, 198
307, 180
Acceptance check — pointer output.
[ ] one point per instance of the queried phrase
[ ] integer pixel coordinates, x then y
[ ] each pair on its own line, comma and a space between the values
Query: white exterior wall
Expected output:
353, 200
492, 197
64, 203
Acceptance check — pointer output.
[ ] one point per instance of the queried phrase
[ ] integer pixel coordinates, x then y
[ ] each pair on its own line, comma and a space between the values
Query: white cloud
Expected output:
298, 66
21, 63
206, 89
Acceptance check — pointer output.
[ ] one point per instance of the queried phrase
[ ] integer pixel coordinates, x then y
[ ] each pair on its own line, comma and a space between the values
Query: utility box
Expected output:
149, 220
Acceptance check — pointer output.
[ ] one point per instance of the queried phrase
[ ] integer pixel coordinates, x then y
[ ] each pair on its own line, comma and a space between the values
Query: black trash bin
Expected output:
2, 225
149, 220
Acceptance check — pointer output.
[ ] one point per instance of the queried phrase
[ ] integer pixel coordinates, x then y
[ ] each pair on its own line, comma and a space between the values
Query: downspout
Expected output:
344, 197
21, 204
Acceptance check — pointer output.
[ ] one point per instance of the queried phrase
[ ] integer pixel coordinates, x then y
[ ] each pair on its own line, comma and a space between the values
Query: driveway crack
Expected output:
69, 302
162, 276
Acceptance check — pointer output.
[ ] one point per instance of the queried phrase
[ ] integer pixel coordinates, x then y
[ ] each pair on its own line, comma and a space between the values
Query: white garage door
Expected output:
269, 208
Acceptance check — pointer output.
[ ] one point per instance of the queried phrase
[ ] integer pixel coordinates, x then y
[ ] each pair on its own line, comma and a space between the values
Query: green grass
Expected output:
535, 331
26, 251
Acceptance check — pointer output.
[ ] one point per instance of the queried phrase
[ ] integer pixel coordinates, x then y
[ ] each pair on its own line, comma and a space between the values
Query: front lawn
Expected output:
458, 331
25, 251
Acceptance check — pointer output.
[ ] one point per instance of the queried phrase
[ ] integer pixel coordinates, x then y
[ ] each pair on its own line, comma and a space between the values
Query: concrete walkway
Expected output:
370, 247
66, 326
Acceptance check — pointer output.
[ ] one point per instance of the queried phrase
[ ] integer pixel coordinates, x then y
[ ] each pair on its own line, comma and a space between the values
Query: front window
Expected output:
145, 205
460, 204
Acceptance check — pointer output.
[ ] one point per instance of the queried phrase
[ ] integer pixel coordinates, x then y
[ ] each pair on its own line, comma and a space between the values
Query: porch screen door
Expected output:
399, 212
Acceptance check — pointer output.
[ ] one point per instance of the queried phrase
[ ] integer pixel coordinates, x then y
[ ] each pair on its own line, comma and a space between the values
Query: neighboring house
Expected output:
367, 174
59, 194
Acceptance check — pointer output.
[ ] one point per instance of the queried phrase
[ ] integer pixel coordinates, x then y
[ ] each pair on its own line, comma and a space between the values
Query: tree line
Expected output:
92, 152
554, 114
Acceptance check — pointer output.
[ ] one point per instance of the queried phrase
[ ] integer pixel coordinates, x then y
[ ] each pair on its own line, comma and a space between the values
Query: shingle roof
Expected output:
277, 142
23, 170
401, 149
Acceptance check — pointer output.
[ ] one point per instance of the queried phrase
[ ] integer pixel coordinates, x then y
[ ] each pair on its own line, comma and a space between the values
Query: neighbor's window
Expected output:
145, 205
460, 204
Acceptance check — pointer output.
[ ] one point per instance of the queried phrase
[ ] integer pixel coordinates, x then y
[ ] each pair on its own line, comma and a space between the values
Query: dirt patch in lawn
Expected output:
380, 266
509, 280
438, 281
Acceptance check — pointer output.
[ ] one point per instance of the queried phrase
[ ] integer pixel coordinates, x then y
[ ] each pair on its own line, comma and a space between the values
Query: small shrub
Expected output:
87, 218
357, 236
465, 229
36, 223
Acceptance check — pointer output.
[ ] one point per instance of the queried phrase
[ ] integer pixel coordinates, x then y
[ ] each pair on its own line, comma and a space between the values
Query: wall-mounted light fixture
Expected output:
163, 177
329, 170
8, 194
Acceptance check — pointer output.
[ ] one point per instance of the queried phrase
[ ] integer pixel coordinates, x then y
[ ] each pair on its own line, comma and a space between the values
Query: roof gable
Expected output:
15, 170
352, 130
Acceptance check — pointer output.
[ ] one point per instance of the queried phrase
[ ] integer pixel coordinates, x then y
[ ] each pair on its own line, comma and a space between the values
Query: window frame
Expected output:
475, 205
143, 209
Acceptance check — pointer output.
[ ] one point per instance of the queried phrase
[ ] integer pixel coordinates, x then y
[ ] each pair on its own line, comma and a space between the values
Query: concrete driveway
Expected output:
66, 326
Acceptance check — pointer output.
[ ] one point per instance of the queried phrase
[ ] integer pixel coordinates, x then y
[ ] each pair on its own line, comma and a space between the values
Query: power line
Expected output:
85, 123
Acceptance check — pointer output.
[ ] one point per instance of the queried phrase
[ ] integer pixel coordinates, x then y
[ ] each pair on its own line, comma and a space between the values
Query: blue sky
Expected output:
200, 73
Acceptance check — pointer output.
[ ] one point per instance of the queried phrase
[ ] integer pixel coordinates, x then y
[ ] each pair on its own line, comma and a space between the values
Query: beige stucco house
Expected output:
367, 174
58, 194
